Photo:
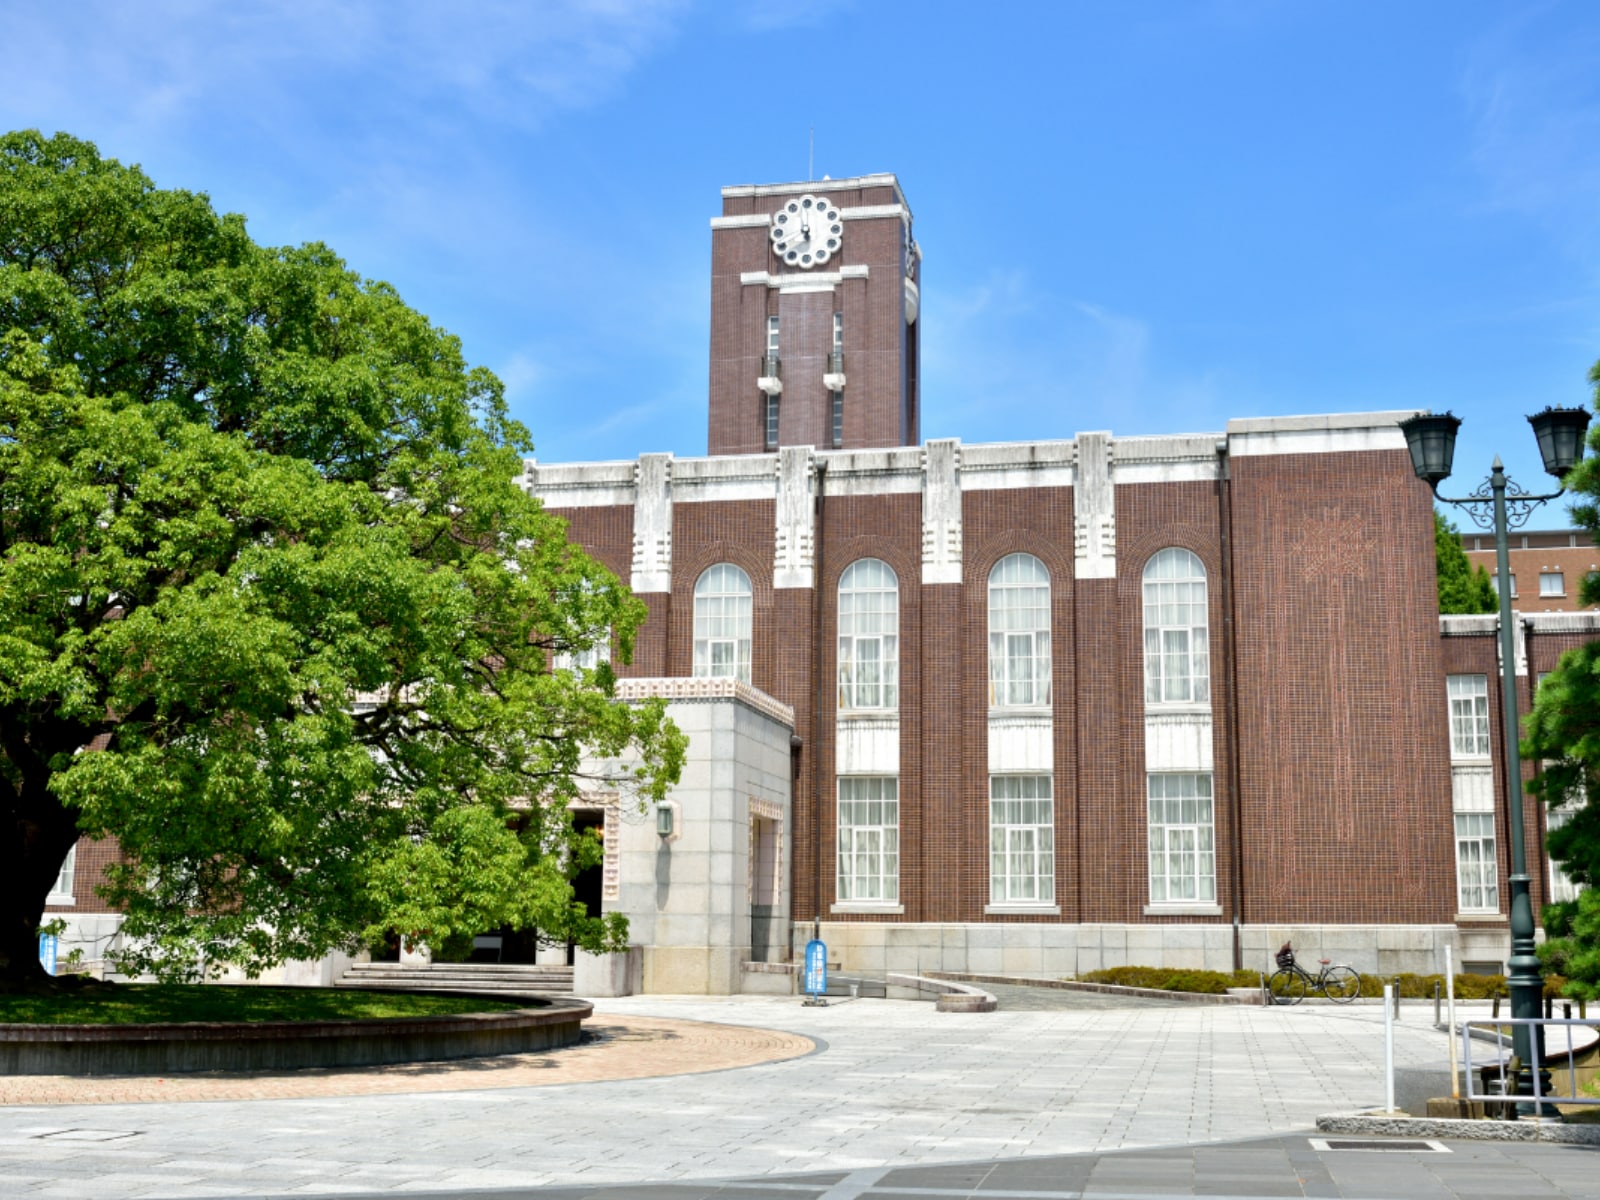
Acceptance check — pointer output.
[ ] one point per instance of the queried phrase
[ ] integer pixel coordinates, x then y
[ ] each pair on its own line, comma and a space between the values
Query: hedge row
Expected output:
1415, 987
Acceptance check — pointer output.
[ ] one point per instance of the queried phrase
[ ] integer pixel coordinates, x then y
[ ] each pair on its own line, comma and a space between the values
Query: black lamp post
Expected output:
1498, 503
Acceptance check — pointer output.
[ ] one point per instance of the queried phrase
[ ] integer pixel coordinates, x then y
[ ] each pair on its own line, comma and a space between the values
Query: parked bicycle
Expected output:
1290, 982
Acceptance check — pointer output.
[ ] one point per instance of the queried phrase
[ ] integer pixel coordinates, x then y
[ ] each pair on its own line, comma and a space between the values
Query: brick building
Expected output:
1052, 705
1547, 565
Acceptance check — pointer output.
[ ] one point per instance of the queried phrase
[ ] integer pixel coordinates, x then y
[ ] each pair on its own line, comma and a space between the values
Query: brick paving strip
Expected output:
614, 1047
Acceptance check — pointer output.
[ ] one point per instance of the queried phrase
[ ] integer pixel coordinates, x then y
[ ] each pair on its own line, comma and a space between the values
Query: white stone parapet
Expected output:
701, 688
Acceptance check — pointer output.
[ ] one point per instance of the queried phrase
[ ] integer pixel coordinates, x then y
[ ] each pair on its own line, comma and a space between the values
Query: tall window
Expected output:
1477, 884
838, 333
1469, 715
771, 423
1177, 656
1019, 632
1022, 847
61, 889
838, 419
772, 337
869, 636
869, 839
1561, 885
722, 605
1183, 859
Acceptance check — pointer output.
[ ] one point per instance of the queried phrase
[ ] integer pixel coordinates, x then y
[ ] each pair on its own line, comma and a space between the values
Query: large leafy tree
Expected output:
1463, 587
274, 613
1563, 732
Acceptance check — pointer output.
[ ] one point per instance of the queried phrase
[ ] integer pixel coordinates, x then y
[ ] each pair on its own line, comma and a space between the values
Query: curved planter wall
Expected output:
286, 1045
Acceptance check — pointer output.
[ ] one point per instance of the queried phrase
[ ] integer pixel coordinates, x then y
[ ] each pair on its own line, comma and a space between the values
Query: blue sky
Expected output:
1145, 218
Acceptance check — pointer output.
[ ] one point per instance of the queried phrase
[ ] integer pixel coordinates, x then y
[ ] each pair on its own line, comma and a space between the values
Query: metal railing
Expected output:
1552, 1060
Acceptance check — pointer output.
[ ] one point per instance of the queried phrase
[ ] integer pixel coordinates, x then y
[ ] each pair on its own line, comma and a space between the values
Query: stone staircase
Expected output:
515, 979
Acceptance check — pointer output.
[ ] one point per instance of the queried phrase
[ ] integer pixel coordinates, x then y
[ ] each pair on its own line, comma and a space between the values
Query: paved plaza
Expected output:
882, 1088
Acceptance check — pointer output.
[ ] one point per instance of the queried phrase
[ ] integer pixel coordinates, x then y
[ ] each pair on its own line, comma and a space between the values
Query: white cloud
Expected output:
1007, 361
289, 67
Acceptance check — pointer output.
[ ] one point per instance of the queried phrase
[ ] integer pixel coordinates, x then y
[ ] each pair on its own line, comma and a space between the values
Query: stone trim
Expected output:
685, 689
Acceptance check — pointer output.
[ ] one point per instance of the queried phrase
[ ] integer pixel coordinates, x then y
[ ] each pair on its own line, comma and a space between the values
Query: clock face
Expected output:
807, 232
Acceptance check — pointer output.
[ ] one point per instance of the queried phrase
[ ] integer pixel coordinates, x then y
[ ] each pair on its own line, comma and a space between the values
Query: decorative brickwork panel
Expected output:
1346, 786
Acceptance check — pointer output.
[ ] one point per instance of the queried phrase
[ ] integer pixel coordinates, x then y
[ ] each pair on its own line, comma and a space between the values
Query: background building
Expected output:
1547, 565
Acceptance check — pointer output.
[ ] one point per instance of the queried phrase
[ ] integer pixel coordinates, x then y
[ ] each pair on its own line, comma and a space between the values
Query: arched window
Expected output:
1177, 657
722, 604
1019, 633
869, 636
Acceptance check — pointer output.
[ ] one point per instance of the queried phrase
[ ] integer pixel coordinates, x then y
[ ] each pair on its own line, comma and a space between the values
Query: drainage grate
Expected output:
1380, 1146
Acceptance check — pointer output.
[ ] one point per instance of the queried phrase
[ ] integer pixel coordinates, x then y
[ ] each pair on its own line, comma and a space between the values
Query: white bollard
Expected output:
1450, 1018
1388, 1048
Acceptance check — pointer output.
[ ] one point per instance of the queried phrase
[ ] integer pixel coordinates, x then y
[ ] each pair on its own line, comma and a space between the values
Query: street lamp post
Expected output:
1499, 503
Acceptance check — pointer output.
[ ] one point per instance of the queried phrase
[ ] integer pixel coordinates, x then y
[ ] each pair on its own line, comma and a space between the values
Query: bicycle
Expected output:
1290, 983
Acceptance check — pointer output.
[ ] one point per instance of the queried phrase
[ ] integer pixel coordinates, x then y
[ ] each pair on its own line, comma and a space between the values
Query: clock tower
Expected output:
814, 307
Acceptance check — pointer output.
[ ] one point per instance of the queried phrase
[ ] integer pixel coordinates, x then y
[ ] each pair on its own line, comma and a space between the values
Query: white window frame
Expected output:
1562, 888
868, 859
1494, 578
1552, 583
724, 606
1177, 629
1469, 715
838, 333
1180, 820
61, 890
1477, 870
1019, 633
770, 423
869, 636
1022, 856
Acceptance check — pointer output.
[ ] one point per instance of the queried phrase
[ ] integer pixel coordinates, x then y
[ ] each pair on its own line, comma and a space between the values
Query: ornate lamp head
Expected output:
1432, 441
1560, 432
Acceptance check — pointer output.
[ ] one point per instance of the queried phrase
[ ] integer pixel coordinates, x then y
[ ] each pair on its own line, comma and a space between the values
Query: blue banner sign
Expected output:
816, 976
47, 952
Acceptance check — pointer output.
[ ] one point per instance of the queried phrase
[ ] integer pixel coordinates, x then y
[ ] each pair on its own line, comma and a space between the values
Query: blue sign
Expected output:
47, 952
816, 976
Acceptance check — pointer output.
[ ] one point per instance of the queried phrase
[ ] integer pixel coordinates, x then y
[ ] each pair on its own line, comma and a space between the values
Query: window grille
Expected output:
1469, 715
1021, 840
869, 839
1477, 884
722, 617
1183, 861
869, 636
1019, 633
1177, 655
62, 887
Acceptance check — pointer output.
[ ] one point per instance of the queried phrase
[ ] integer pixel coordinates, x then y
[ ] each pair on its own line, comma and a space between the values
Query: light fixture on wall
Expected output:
665, 820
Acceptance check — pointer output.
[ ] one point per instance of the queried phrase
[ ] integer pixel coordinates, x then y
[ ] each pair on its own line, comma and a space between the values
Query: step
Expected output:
462, 968
510, 978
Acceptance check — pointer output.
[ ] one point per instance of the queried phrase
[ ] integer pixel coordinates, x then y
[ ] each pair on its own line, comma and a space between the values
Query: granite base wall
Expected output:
1059, 950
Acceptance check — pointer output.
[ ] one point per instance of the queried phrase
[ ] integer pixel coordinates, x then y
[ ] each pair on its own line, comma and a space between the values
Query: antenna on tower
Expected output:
811, 154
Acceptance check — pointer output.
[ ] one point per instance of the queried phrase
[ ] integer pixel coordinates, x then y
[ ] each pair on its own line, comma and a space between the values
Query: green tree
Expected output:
1463, 587
1563, 733
274, 613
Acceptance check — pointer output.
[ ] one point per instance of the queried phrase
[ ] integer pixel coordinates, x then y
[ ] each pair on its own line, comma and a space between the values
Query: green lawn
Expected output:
133, 1004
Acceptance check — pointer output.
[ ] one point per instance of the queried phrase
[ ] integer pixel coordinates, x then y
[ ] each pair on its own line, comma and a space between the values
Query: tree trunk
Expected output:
33, 843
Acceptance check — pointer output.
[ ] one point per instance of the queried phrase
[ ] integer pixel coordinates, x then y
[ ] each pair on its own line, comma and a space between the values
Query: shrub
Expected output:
1171, 979
1412, 986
